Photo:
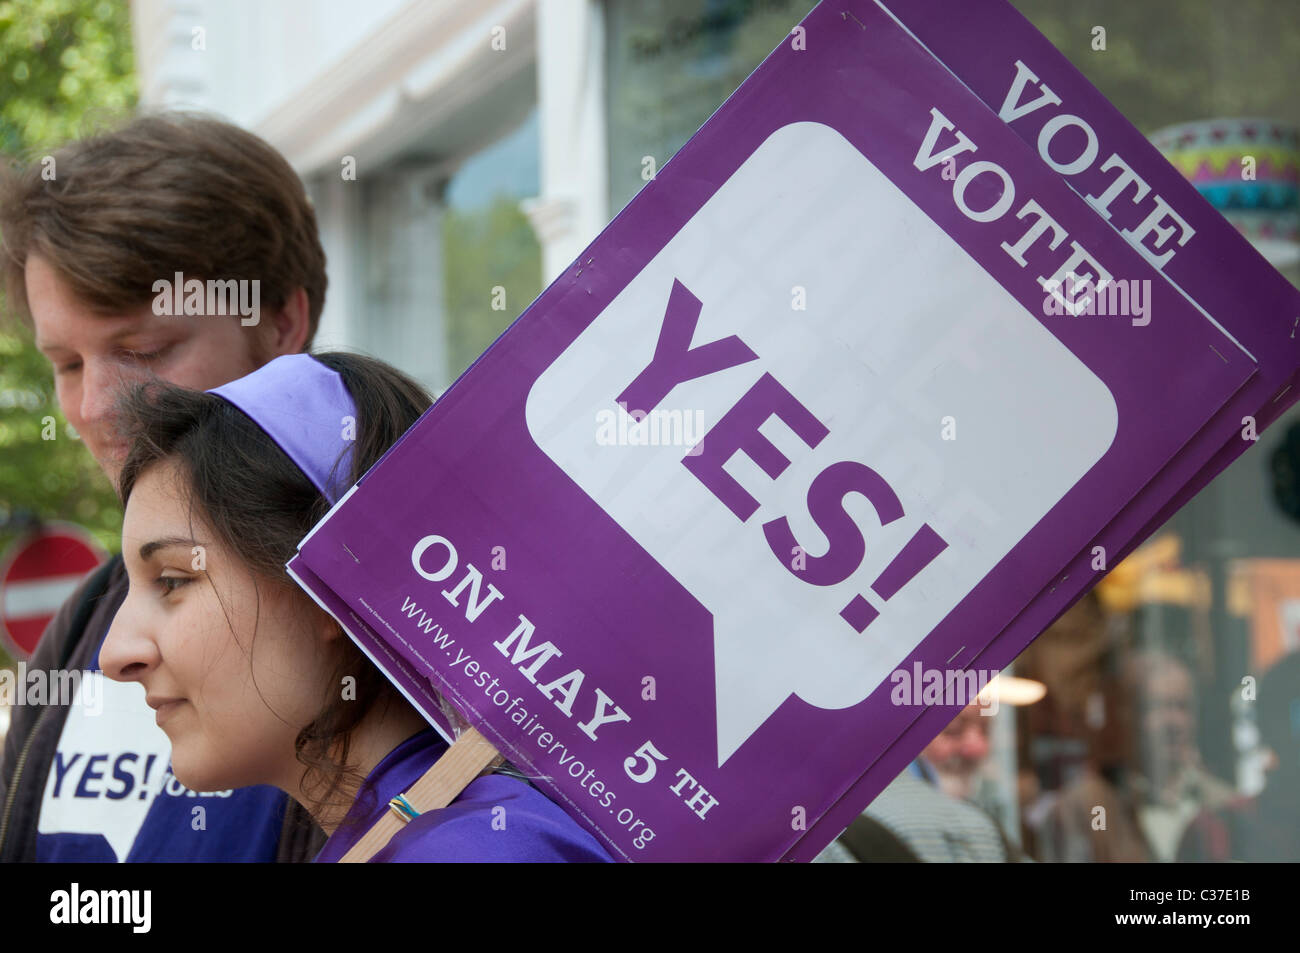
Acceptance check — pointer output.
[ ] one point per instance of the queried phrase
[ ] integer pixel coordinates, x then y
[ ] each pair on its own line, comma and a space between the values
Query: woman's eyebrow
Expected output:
148, 549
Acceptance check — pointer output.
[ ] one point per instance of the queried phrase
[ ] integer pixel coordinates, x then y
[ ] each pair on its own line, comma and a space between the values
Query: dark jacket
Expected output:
70, 642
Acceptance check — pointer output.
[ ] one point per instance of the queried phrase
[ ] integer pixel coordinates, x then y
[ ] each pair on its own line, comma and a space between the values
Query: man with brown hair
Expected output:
183, 247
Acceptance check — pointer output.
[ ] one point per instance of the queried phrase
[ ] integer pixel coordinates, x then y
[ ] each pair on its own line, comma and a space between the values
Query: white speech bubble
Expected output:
901, 329
127, 727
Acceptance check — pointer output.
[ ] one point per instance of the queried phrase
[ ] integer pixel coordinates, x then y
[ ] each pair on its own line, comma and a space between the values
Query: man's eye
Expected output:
142, 357
68, 368
146, 357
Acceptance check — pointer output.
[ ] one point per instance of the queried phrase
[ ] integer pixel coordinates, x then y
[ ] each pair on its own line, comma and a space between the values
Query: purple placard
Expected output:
817, 167
1003, 59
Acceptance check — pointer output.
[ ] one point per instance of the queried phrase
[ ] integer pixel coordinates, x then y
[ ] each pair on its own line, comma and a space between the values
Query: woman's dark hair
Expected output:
261, 505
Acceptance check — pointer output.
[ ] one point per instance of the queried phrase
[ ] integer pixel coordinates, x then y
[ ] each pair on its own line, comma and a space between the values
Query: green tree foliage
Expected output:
62, 63
493, 247
65, 66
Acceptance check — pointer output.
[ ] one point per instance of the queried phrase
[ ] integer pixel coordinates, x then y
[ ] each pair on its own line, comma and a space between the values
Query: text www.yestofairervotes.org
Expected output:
529, 723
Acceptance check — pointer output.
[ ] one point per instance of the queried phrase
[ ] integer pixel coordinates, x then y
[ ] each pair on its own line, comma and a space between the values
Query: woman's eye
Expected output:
170, 584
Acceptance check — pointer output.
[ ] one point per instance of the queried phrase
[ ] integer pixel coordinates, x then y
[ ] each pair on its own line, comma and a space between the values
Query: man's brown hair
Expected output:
166, 192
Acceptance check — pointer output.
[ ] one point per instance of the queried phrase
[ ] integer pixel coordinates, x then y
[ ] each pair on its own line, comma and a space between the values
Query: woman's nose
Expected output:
129, 652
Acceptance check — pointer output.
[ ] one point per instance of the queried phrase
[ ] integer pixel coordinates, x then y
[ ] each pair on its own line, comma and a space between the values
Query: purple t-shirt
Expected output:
496, 819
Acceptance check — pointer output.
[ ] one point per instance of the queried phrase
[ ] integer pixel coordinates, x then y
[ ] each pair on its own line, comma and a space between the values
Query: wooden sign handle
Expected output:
465, 760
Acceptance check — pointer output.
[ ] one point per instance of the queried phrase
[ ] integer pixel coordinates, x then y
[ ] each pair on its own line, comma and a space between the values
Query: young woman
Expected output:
246, 673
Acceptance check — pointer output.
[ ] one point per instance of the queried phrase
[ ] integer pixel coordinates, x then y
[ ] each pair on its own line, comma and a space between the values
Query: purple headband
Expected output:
303, 406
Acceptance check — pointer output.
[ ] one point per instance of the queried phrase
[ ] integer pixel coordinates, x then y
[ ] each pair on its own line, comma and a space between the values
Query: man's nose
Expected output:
975, 744
102, 385
129, 652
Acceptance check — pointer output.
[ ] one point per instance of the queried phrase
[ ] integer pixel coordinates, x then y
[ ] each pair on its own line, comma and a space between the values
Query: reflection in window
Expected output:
671, 64
492, 259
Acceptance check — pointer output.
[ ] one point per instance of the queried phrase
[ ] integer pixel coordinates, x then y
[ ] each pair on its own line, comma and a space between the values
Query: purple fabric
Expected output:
528, 828
303, 406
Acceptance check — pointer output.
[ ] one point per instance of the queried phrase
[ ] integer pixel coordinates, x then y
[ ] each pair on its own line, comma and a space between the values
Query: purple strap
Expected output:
303, 406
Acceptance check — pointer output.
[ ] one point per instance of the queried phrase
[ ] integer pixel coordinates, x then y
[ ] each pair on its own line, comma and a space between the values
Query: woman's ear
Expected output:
325, 627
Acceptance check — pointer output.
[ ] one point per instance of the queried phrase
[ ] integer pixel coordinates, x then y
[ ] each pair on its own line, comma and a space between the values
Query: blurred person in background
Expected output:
957, 753
1171, 785
1264, 828
922, 815
1143, 780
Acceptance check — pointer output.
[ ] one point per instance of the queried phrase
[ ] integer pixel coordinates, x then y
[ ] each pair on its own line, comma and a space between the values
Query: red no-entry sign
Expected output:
40, 571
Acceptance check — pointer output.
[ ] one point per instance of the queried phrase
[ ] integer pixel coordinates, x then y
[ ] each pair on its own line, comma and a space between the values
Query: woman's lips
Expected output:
164, 707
